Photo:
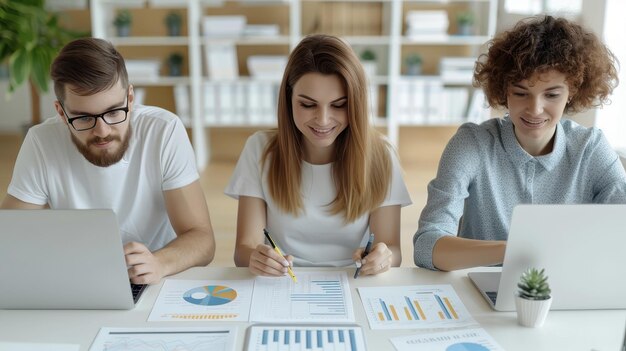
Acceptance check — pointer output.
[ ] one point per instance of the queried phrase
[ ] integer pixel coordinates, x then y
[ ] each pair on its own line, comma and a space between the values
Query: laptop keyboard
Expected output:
492, 296
137, 290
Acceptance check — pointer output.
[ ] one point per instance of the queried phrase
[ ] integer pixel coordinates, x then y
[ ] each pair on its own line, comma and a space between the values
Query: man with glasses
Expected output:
104, 151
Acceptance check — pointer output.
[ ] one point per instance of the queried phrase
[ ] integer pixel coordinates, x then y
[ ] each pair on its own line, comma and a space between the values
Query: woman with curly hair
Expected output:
539, 70
325, 178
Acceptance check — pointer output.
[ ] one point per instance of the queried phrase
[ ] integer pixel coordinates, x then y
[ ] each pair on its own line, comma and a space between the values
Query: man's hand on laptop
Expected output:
143, 266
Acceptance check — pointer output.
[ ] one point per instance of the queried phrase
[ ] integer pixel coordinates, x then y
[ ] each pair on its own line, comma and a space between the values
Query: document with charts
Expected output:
165, 339
305, 337
414, 307
475, 339
203, 300
317, 297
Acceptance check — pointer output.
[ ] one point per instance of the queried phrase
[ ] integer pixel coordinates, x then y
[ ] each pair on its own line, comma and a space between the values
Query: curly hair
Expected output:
542, 43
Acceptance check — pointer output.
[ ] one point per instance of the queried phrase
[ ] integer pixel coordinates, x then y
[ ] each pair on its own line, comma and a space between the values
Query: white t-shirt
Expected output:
316, 238
50, 170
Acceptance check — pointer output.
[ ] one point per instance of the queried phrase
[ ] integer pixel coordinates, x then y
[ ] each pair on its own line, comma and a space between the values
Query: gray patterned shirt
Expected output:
484, 173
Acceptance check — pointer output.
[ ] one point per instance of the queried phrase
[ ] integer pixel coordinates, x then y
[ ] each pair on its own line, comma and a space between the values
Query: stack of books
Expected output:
427, 25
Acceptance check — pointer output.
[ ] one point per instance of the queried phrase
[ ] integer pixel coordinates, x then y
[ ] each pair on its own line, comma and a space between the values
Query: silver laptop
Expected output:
581, 248
62, 259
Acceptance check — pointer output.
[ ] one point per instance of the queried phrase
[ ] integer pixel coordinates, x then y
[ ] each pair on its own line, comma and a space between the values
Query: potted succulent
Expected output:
533, 299
413, 64
465, 21
175, 64
173, 21
122, 22
368, 59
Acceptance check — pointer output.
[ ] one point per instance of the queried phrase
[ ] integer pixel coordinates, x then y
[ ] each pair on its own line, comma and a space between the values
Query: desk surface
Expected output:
564, 330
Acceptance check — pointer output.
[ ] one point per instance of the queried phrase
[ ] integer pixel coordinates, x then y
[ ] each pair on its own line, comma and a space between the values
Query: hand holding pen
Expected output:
374, 259
270, 261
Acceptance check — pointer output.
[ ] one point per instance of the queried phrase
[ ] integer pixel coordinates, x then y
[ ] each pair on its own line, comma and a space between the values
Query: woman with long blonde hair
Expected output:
325, 178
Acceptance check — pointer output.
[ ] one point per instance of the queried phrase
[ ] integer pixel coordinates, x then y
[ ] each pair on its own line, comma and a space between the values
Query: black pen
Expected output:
368, 247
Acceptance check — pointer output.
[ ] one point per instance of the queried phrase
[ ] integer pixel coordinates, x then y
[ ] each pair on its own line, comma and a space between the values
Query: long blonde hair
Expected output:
362, 162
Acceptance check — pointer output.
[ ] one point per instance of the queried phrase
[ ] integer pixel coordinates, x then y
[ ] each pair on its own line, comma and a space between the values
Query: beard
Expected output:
103, 158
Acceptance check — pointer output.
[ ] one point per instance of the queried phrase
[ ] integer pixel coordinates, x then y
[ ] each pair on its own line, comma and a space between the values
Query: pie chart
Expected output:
210, 295
466, 346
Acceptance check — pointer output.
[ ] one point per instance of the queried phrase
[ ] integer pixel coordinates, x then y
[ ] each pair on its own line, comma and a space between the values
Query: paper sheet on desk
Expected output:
29, 346
165, 339
475, 339
317, 297
203, 300
414, 307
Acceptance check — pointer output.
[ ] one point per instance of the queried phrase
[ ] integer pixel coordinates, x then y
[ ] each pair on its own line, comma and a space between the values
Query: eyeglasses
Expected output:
86, 122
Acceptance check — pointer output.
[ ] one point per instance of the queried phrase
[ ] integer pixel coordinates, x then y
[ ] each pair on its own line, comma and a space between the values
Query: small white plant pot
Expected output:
532, 313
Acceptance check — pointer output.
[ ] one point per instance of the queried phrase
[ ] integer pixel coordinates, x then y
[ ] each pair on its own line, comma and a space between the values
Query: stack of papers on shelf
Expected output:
223, 26
457, 70
221, 60
261, 30
144, 70
478, 110
431, 24
267, 66
167, 3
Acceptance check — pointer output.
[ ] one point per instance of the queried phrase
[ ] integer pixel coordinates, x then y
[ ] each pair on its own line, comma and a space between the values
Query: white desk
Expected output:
563, 330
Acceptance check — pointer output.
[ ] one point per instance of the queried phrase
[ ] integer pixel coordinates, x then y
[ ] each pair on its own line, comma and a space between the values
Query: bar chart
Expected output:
305, 337
428, 306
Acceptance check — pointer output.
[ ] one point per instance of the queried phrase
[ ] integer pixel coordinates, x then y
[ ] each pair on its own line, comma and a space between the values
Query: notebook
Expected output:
62, 259
581, 247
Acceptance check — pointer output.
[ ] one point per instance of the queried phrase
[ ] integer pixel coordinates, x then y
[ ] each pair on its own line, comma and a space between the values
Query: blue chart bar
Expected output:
443, 307
310, 338
411, 308
385, 310
320, 341
352, 340
325, 298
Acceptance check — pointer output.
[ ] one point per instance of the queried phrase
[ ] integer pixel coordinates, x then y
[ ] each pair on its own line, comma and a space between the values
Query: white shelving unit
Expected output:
389, 42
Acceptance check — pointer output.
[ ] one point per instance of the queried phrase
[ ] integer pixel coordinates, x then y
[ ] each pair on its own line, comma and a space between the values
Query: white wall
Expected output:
15, 111
612, 118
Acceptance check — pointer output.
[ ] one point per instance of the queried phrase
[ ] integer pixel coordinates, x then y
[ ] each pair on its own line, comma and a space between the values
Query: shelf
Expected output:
445, 40
278, 40
149, 41
379, 25
160, 81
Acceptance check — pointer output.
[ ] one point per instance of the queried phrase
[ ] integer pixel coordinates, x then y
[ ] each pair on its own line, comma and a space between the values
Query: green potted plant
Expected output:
368, 60
465, 21
122, 23
173, 22
413, 64
31, 39
533, 299
175, 64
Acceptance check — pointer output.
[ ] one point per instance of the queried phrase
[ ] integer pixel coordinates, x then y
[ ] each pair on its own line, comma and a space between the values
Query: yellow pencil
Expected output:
277, 249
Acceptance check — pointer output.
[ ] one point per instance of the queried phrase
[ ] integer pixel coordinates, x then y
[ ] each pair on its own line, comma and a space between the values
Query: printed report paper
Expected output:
165, 339
414, 307
317, 297
205, 300
475, 339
